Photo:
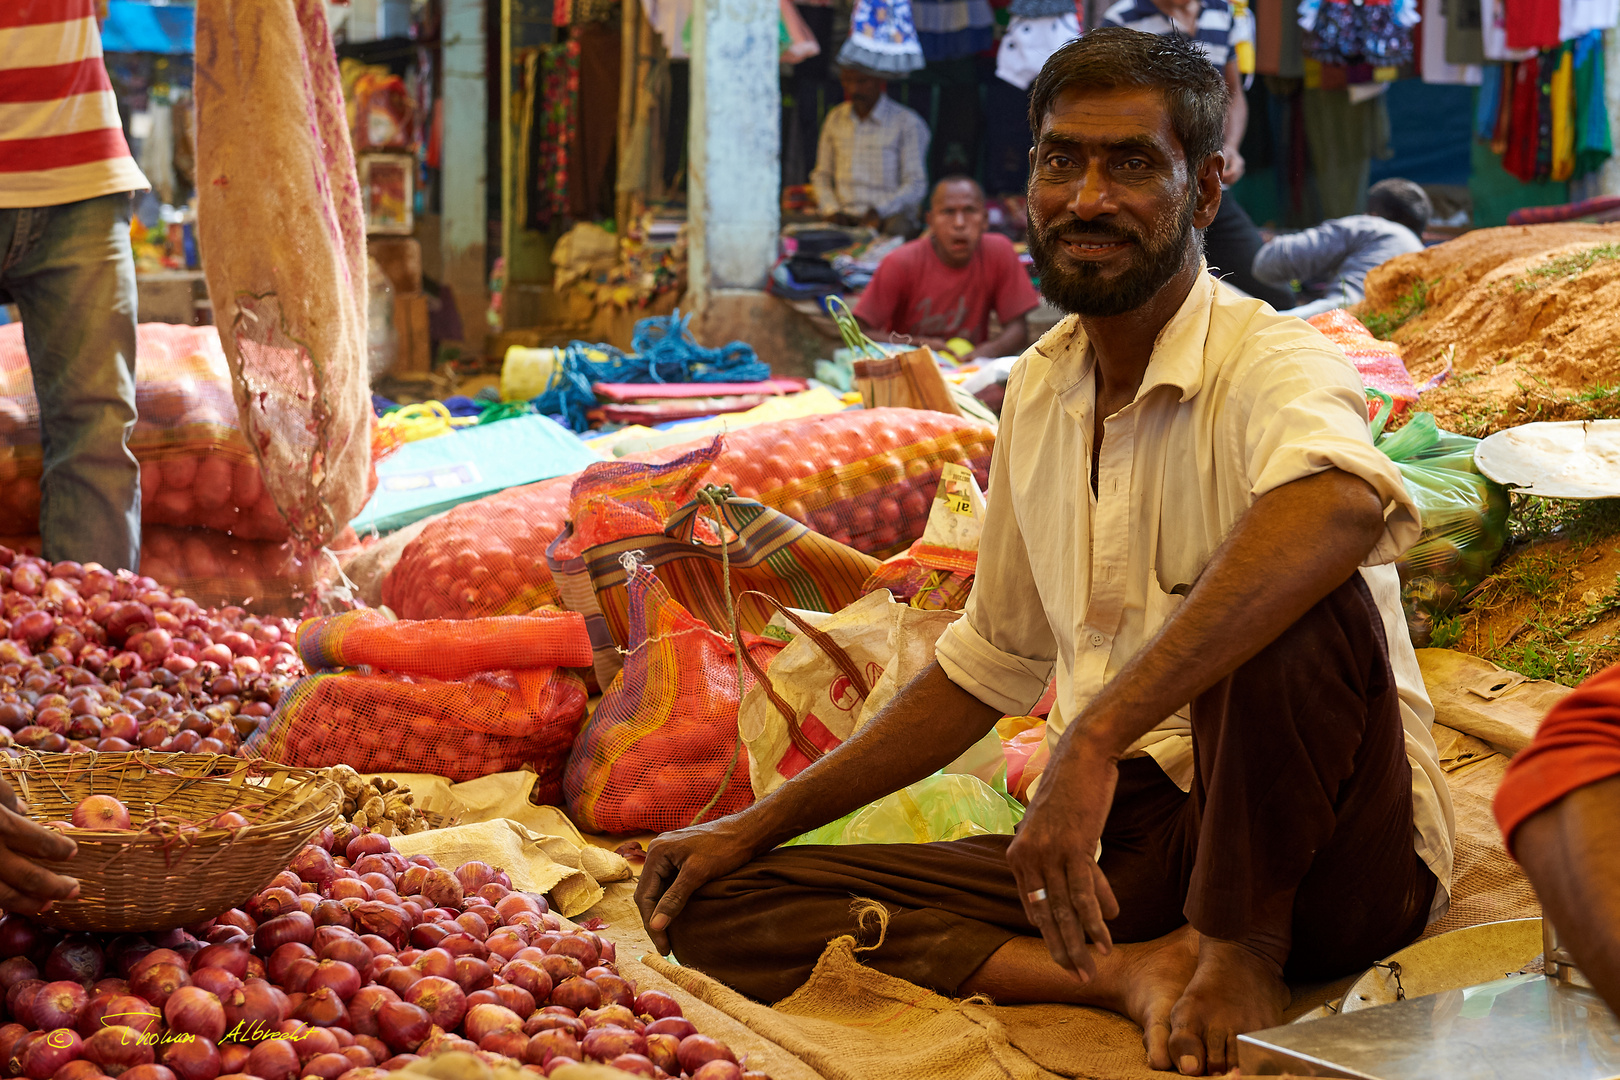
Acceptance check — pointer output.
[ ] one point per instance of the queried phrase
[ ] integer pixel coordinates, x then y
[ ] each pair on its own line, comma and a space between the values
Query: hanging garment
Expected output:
1029, 43
558, 116
673, 21
1489, 105
1577, 18
1495, 41
157, 151
1593, 142
1531, 24
948, 29
883, 38
1343, 138
1437, 70
591, 182
1345, 32
1465, 31
1563, 114
1544, 146
1523, 123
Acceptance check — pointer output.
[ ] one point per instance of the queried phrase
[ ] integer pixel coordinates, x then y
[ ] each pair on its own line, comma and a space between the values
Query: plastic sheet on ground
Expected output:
505, 796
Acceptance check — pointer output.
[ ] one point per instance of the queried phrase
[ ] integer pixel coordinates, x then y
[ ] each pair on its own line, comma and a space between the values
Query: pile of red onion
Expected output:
347, 967
96, 660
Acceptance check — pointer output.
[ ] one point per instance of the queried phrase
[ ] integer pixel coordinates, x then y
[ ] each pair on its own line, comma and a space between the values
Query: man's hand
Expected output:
1235, 166
682, 862
25, 887
1054, 850
872, 220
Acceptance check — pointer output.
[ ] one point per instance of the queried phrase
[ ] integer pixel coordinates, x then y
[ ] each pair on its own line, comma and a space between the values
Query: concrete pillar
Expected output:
463, 228
734, 172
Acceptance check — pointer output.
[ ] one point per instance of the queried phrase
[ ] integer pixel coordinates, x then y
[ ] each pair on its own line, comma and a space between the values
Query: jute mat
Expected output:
850, 1022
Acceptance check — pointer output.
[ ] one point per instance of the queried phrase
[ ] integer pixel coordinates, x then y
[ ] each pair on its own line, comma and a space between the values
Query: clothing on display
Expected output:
1030, 41
1547, 116
1437, 70
557, 115
591, 186
1464, 31
1495, 34
672, 19
883, 38
948, 29
1531, 24
1351, 32
1344, 137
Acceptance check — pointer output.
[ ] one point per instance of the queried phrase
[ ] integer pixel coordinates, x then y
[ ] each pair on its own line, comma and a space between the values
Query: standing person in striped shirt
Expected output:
1231, 242
66, 178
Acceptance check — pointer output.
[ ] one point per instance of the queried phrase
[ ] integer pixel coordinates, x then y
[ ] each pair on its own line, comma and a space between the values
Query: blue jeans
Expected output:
71, 273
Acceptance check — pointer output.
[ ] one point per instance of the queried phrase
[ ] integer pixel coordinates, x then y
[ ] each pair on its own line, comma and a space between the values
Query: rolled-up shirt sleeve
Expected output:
1305, 412
1002, 650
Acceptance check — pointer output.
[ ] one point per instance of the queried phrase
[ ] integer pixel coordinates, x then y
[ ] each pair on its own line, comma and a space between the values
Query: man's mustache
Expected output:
1083, 232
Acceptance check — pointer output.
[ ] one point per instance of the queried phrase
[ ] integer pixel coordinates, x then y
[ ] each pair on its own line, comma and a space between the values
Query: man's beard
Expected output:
1082, 290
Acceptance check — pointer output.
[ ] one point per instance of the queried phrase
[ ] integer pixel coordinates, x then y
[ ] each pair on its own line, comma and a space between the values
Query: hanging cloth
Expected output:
1531, 24
1490, 101
1524, 122
1563, 114
883, 38
1593, 143
1465, 32
1030, 41
1437, 70
558, 118
950, 29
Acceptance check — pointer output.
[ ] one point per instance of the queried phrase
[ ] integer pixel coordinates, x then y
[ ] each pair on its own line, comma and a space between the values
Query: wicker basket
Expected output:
171, 873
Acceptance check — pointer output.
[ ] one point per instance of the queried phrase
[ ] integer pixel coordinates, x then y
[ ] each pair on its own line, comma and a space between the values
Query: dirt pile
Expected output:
1529, 318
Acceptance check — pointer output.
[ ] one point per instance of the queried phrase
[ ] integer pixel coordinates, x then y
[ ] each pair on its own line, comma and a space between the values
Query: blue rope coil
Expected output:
665, 352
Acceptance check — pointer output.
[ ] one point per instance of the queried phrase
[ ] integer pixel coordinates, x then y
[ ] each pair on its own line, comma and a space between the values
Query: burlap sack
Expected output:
1480, 699
283, 239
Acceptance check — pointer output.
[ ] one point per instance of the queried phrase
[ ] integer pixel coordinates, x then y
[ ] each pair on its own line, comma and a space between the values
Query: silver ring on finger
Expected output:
1037, 896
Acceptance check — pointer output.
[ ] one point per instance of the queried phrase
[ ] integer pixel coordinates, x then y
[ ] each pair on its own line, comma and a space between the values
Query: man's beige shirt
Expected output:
1237, 400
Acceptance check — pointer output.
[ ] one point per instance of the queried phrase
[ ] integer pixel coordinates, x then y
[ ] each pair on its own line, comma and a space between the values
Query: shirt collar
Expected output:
880, 111
1178, 352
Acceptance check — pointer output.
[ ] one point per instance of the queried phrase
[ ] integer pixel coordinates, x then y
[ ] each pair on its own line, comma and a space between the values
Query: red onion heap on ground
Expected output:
96, 660
351, 964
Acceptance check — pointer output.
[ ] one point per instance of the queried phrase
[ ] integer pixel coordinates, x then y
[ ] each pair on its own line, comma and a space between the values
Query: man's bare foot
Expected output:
1142, 981
1234, 991
1153, 977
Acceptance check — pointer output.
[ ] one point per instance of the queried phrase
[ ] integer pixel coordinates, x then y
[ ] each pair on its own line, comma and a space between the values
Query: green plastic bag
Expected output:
1463, 514
945, 806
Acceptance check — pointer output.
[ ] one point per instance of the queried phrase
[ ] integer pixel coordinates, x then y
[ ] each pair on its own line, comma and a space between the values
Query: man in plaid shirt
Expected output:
871, 166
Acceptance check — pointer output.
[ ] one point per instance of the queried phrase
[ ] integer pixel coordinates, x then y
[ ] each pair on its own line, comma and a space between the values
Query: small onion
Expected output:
698, 1050
402, 1025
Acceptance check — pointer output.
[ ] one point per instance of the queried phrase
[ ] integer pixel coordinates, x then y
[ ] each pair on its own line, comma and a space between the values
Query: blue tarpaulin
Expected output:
136, 26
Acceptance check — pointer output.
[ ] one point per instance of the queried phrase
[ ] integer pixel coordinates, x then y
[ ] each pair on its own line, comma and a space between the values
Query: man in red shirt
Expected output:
944, 284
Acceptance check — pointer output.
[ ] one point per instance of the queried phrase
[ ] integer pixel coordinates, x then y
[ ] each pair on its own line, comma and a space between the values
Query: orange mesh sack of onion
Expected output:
458, 698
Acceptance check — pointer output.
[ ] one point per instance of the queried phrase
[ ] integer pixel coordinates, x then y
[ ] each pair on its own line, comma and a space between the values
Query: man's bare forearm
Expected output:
929, 724
1295, 545
1571, 853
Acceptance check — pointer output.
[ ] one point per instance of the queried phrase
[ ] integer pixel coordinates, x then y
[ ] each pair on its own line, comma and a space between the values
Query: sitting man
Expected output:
945, 284
871, 164
1559, 808
1339, 253
1188, 521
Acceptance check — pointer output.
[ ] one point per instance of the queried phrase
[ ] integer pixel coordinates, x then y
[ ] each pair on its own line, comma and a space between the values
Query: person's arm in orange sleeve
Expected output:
1559, 809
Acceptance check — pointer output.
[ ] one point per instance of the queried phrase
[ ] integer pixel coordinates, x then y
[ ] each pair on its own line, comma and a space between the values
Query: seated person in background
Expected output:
944, 285
871, 164
1339, 253
1559, 809
1189, 525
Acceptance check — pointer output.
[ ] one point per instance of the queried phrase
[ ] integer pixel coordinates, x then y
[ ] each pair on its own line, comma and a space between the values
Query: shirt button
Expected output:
1097, 640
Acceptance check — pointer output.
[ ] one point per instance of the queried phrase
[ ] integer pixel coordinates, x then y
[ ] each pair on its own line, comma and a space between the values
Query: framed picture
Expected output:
386, 186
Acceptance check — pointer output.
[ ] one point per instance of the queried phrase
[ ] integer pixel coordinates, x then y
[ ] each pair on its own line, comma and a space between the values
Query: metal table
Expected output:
1520, 1027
